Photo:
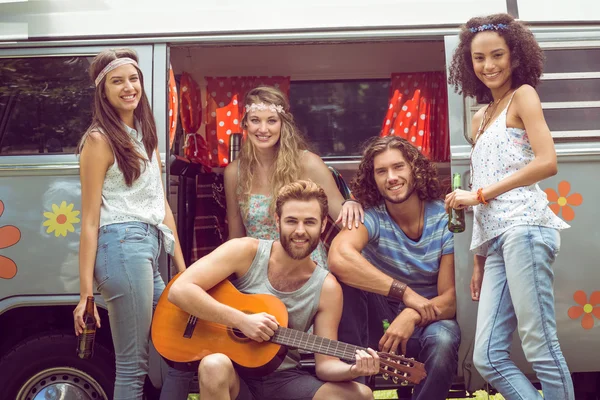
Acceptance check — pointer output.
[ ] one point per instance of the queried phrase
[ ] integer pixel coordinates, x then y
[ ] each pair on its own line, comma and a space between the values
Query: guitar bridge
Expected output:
189, 327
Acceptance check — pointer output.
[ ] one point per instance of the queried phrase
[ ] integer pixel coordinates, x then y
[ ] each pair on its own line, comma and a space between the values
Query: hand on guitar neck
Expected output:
181, 337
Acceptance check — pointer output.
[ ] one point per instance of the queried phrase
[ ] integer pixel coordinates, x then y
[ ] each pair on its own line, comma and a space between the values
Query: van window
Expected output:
338, 116
45, 104
569, 91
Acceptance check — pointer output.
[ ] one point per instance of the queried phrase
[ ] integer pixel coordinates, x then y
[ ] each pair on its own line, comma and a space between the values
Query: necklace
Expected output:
487, 115
420, 227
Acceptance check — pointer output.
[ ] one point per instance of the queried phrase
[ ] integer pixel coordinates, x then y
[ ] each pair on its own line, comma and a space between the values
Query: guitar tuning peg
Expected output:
385, 376
395, 380
404, 383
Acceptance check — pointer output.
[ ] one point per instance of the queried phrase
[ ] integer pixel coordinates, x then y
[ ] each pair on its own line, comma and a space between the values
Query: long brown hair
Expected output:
424, 172
289, 149
106, 119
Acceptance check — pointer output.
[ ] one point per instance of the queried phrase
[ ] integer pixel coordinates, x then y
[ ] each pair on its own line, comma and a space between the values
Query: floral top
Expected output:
260, 224
499, 152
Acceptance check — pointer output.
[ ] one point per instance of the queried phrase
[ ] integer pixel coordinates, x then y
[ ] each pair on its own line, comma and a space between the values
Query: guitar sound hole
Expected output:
239, 334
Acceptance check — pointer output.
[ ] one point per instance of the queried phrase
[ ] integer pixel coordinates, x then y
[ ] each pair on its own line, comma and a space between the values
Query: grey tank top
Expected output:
301, 304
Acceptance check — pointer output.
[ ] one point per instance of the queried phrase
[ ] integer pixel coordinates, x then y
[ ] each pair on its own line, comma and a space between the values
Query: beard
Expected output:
398, 200
295, 253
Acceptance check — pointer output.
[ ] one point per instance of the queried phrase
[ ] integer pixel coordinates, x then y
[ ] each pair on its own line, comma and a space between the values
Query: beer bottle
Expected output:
456, 218
85, 345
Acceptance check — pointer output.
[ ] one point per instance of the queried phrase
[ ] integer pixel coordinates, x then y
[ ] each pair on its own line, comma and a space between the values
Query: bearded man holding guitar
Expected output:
264, 269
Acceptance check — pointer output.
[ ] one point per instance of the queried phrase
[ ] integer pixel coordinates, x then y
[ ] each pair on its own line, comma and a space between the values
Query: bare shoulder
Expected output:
331, 290
231, 170
96, 147
310, 159
244, 245
526, 94
476, 121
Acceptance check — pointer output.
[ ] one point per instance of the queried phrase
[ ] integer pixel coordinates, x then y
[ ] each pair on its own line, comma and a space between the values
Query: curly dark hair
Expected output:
527, 58
424, 172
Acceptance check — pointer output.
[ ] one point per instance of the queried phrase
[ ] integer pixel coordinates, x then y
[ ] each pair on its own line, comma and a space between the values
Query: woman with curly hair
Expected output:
273, 154
515, 235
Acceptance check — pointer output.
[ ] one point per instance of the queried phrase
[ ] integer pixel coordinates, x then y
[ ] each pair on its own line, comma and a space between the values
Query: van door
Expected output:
46, 98
570, 95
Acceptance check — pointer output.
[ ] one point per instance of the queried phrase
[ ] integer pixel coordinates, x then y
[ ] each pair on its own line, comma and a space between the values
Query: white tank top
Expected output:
499, 152
143, 201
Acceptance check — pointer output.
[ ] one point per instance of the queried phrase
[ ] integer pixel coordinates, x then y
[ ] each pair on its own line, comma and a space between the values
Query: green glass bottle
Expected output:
456, 218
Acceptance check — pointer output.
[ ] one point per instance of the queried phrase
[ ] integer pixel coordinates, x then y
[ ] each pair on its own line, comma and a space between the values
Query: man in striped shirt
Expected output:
399, 265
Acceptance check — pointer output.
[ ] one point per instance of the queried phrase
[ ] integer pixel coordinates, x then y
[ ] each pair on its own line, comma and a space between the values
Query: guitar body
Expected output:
179, 337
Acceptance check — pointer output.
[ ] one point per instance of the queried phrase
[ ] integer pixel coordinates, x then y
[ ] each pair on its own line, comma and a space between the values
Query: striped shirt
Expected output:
417, 263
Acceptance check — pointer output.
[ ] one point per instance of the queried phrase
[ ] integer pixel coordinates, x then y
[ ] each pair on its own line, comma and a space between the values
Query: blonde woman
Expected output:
273, 154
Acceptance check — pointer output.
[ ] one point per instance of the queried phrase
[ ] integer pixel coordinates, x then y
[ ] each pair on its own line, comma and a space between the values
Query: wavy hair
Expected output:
424, 172
289, 148
106, 119
526, 57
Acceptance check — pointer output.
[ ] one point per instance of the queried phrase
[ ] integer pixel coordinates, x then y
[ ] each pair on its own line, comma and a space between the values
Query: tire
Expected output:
48, 363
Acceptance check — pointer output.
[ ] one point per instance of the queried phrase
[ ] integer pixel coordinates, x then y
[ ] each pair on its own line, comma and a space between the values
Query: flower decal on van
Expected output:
563, 200
585, 308
9, 236
61, 219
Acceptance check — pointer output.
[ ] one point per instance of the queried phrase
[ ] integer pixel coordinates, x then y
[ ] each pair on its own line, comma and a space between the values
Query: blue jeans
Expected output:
435, 345
517, 292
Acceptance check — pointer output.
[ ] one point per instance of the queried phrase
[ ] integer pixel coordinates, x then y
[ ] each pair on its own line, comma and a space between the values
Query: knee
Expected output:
363, 392
482, 362
215, 371
443, 344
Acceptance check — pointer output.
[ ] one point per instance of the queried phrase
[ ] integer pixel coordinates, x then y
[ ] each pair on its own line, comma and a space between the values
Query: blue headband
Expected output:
489, 27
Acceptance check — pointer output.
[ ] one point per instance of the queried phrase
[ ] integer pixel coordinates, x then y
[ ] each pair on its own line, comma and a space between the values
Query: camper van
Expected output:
339, 61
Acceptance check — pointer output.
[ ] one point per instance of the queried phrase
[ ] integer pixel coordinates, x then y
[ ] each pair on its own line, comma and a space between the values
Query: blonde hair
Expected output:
289, 148
304, 191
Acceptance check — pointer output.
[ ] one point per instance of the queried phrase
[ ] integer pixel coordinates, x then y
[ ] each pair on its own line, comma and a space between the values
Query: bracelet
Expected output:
397, 290
480, 197
347, 200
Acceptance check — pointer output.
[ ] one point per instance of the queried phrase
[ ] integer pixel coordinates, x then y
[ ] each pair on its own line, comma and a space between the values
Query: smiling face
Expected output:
123, 89
393, 176
300, 227
264, 128
491, 61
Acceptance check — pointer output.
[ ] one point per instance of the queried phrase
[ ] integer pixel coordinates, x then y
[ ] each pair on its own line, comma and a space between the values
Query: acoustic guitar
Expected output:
181, 337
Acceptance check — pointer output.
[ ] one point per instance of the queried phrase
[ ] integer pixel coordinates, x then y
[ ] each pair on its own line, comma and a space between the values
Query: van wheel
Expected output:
47, 367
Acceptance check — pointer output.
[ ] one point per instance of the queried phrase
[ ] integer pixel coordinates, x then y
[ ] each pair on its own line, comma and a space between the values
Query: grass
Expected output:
391, 394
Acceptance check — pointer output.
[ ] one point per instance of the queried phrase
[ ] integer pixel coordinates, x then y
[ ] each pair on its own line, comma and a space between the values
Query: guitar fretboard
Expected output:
316, 344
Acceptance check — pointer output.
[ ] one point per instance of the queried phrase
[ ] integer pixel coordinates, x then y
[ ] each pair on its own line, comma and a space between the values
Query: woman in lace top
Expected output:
515, 234
273, 154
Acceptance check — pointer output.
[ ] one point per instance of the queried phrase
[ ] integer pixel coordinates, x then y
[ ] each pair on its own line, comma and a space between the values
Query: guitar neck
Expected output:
316, 344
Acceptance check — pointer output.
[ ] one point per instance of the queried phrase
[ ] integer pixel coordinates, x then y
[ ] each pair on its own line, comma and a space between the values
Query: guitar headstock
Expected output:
401, 369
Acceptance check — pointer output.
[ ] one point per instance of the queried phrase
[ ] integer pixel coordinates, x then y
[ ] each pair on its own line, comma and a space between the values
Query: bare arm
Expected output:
528, 108
350, 267
326, 324
170, 222
188, 292
95, 159
446, 298
352, 212
234, 216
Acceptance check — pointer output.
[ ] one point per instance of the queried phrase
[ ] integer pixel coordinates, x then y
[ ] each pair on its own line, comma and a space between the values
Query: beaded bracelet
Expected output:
480, 197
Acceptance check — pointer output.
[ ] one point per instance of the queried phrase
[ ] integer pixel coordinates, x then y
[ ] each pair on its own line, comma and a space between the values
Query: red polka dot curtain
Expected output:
418, 113
195, 148
223, 114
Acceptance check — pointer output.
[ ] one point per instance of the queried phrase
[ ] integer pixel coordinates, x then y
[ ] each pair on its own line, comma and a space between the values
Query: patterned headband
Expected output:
116, 63
489, 27
262, 107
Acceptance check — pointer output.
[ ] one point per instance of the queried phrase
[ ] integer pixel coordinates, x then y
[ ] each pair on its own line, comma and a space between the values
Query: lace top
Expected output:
499, 152
260, 224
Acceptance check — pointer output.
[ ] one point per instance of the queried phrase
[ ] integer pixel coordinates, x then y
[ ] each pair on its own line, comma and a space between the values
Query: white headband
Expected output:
262, 107
116, 63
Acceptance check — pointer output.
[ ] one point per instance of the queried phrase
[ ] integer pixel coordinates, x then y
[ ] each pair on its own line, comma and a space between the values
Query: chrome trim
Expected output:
570, 45
575, 134
52, 167
570, 104
570, 75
